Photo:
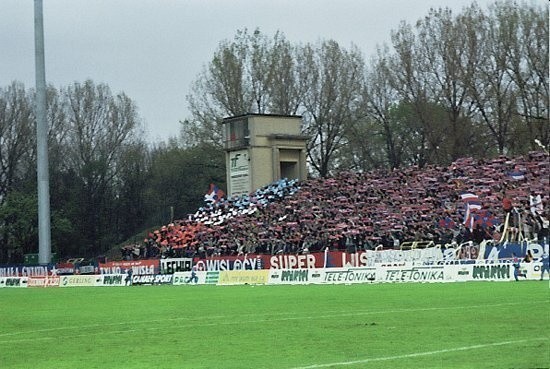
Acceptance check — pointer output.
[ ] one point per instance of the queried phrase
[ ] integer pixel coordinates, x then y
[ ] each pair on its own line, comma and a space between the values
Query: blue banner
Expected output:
509, 250
18, 270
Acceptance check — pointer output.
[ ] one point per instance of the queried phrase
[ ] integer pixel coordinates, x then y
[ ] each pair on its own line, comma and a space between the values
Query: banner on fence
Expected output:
349, 275
113, 280
152, 279
27, 270
196, 277
138, 267
505, 251
228, 277
79, 280
406, 273
294, 276
170, 266
14, 282
65, 268
246, 262
52, 281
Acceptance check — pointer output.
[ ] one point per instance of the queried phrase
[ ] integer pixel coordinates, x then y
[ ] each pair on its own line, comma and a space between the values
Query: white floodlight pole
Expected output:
42, 163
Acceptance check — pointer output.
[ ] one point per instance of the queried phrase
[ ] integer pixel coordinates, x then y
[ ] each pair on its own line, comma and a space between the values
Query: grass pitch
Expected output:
454, 325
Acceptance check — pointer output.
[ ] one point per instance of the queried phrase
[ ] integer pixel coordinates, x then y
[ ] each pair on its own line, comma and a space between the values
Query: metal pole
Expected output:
42, 163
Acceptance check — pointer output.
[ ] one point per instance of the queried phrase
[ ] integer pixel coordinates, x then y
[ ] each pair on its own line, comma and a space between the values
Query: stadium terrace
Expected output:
362, 211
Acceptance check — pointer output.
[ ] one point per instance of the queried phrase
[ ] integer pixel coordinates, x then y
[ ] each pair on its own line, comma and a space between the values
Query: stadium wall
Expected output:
469, 262
406, 273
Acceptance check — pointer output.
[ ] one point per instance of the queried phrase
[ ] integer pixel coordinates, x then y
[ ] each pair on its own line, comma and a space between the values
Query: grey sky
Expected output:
154, 49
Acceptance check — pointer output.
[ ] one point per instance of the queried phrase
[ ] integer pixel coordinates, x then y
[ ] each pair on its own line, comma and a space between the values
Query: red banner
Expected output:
332, 259
138, 267
248, 262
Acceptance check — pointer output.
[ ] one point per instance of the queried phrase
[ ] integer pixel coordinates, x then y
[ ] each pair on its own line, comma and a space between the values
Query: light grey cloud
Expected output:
153, 50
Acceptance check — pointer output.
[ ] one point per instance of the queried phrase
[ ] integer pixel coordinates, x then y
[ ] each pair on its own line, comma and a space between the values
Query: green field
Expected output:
454, 325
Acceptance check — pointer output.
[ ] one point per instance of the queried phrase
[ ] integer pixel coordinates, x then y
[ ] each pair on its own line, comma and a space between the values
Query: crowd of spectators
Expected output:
353, 211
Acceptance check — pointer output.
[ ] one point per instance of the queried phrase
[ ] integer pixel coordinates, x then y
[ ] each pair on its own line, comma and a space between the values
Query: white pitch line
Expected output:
418, 354
270, 318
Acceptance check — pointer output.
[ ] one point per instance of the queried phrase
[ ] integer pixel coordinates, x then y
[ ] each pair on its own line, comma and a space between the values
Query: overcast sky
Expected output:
154, 49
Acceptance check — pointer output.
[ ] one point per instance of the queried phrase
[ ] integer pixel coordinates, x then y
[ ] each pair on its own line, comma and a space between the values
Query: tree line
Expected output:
449, 86
106, 183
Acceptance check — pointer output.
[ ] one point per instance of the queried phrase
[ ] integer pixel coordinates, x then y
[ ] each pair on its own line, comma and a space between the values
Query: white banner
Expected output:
459, 272
294, 276
239, 173
322, 276
51, 281
79, 280
430, 255
113, 280
14, 282
193, 278
348, 275
430, 273
171, 266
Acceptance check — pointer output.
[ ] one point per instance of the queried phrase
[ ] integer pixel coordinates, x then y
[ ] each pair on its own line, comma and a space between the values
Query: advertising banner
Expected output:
493, 272
138, 267
195, 278
294, 276
14, 282
432, 273
504, 271
170, 266
458, 272
152, 279
348, 275
229, 277
52, 281
79, 280
112, 280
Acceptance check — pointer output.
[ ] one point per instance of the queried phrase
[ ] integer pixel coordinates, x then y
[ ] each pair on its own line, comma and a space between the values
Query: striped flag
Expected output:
471, 200
471, 204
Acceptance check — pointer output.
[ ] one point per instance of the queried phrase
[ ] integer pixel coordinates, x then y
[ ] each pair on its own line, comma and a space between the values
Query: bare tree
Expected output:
99, 127
289, 80
442, 63
255, 74
380, 97
490, 86
250, 74
525, 34
16, 134
411, 86
332, 106
225, 88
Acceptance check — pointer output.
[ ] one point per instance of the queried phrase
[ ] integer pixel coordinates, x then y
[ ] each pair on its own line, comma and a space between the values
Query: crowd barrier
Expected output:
468, 262
436, 254
381, 273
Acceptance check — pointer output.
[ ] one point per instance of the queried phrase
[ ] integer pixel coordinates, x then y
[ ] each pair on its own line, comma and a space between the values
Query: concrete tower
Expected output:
260, 149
